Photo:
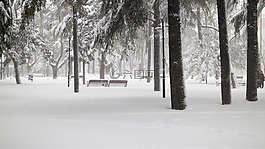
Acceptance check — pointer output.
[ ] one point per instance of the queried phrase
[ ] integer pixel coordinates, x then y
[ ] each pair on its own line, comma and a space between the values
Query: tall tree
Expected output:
177, 84
148, 48
224, 54
75, 49
5, 22
117, 18
157, 51
59, 30
252, 50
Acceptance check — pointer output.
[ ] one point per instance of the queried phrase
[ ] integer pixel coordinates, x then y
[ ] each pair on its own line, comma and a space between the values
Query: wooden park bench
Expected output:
241, 80
122, 83
38, 75
31, 76
97, 82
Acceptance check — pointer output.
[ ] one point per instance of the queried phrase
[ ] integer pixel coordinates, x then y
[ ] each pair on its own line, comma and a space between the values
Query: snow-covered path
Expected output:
45, 114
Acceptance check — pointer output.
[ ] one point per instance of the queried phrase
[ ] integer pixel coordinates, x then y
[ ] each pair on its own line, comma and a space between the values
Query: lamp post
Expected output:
162, 27
1, 70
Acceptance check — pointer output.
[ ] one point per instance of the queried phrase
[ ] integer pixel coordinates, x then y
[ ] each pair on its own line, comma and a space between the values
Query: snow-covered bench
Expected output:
240, 80
122, 83
38, 75
31, 76
97, 82
107, 83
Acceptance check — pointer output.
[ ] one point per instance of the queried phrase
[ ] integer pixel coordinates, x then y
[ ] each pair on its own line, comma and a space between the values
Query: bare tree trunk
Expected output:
93, 65
7, 70
54, 72
233, 77
6, 67
177, 84
141, 64
84, 72
148, 47
261, 53
41, 23
28, 68
75, 48
156, 46
131, 61
252, 51
120, 67
17, 75
225, 60
199, 25
1, 67
102, 64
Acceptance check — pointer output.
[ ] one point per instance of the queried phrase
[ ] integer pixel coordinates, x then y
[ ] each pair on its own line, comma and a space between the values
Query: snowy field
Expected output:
46, 114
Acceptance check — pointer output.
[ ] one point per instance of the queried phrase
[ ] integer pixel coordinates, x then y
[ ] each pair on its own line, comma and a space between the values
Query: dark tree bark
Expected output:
54, 72
224, 54
102, 63
102, 66
93, 64
156, 46
252, 50
148, 47
17, 74
177, 84
75, 48
84, 72
5, 68
1, 63
199, 25
233, 82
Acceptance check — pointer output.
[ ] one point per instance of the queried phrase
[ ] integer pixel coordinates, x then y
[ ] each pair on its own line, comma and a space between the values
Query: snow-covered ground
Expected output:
46, 114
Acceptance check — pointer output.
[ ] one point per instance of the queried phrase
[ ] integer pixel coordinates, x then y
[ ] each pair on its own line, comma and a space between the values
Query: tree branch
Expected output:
210, 27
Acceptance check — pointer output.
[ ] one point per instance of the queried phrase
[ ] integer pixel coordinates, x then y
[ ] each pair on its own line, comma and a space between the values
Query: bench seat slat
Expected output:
122, 82
107, 83
97, 82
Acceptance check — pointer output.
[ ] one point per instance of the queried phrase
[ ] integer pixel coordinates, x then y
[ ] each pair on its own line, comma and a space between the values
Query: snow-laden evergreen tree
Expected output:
116, 18
86, 24
5, 23
238, 52
15, 15
29, 47
238, 19
246, 19
200, 62
56, 22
